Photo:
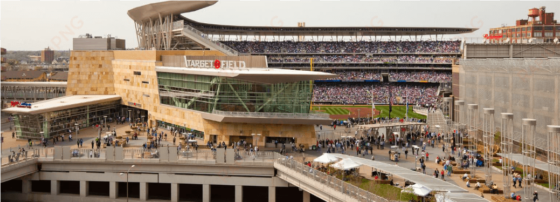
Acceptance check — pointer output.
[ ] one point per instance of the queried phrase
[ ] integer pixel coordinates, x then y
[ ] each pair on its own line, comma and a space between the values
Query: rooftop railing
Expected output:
273, 115
330, 181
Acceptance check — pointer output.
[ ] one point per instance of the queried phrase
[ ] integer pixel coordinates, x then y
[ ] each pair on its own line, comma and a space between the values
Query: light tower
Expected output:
553, 147
507, 150
473, 119
529, 154
488, 139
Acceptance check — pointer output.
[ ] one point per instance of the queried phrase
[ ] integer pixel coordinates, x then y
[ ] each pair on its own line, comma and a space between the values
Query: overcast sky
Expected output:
34, 25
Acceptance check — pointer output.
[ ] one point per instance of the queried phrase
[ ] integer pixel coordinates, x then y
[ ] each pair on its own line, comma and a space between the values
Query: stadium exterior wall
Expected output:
528, 88
104, 73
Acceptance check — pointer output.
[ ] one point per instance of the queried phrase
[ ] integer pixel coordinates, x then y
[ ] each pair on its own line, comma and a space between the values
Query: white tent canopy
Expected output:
326, 158
346, 164
418, 190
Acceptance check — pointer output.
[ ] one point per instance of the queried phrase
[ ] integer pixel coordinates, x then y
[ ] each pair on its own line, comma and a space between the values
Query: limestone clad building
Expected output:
221, 98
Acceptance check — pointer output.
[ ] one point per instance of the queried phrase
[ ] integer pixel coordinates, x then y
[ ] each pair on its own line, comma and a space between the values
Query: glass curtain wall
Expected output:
59, 122
209, 93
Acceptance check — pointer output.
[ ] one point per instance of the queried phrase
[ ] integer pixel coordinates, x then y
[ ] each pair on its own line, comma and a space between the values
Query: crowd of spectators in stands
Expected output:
361, 59
361, 94
356, 75
429, 76
414, 76
346, 47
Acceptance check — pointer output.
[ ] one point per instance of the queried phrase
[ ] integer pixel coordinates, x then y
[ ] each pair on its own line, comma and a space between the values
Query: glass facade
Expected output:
209, 93
59, 122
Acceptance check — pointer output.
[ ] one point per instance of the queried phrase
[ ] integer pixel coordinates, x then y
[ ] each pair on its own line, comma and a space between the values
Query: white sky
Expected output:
34, 25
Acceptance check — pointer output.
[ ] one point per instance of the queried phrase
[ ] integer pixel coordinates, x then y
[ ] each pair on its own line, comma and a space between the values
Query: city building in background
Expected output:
540, 26
90, 42
47, 55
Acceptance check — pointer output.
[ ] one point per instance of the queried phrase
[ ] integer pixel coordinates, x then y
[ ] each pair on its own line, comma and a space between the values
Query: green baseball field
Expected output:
338, 111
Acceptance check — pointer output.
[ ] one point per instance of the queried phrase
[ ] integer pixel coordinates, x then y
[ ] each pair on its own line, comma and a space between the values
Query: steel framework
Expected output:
553, 145
488, 140
528, 137
473, 119
507, 150
155, 34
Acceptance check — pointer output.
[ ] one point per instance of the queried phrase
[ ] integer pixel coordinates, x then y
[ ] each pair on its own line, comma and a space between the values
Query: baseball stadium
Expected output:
246, 94
209, 79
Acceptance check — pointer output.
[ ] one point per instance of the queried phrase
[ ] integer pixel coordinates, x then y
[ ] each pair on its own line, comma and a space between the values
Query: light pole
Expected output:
105, 122
127, 181
129, 117
76, 124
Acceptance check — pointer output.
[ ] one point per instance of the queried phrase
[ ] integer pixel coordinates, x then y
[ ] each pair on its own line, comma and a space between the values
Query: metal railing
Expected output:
330, 181
273, 115
203, 36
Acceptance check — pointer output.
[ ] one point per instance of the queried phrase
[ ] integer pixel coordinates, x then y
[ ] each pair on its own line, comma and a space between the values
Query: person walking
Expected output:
442, 174
406, 154
535, 196
78, 143
92, 144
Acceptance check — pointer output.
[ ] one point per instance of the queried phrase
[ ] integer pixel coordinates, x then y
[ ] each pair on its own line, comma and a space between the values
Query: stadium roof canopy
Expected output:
156, 10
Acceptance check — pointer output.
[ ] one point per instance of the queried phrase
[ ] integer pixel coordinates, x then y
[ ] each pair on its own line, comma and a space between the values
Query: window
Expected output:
548, 28
528, 34
548, 34
518, 29
523, 29
537, 34
557, 27
523, 35
528, 28
538, 28
137, 73
126, 79
145, 82
557, 34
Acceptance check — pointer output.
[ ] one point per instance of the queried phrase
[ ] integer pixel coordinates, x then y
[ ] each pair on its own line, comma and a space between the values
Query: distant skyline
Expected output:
35, 25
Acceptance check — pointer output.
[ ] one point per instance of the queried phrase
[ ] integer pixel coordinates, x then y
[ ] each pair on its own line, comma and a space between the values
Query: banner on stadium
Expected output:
214, 62
401, 80
423, 81
371, 81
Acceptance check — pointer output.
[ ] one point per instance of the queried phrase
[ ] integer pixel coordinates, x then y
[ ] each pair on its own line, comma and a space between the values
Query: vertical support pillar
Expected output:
174, 192
553, 149
238, 193
528, 150
488, 140
271, 194
473, 131
54, 187
113, 189
206, 193
83, 188
306, 196
143, 191
507, 150
26, 186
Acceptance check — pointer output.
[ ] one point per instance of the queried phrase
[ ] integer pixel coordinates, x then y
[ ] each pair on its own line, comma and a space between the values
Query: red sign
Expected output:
217, 64
492, 37
14, 103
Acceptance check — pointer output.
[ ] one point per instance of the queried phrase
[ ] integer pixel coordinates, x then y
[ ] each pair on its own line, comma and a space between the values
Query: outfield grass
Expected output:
398, 111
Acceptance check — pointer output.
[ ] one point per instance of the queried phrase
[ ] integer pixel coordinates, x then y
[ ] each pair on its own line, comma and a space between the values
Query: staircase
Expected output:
437, 118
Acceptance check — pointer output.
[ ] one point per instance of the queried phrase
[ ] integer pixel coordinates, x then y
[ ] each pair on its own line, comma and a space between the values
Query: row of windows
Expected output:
539, 28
